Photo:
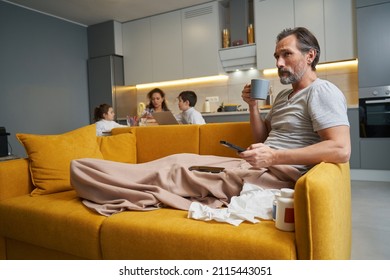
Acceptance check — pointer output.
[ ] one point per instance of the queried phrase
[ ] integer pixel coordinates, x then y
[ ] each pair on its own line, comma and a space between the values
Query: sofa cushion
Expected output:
120, 148
155, 142
50, 156
239, 133
169, 234
56, 221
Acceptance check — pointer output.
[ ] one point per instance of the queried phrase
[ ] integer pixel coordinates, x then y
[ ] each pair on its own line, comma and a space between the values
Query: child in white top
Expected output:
104, 117
189, 115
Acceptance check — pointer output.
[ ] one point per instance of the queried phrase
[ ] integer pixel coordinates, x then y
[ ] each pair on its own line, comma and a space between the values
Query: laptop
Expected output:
165, 117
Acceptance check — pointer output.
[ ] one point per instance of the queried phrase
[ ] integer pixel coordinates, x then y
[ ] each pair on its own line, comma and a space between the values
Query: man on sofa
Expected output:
308, 123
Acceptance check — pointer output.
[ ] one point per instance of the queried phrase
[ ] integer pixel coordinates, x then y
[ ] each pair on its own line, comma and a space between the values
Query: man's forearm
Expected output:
259, 128
327, 151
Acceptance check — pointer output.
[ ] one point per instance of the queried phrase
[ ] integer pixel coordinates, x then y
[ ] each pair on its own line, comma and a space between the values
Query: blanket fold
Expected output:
110, 187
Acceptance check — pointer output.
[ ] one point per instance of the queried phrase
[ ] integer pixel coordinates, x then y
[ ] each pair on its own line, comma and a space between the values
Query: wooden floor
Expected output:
370, 220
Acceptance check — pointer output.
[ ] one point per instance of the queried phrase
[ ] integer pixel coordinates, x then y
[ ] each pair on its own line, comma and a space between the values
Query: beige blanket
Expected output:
109, 187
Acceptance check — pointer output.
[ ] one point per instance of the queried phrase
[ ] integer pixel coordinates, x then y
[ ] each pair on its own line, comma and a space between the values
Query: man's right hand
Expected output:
246, 96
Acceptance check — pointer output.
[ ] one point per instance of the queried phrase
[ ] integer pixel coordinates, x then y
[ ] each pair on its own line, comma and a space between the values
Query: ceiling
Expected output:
88, 12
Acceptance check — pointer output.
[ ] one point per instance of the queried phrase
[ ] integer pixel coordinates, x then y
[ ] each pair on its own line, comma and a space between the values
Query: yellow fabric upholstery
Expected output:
323, 204
59, 226
50, 156
239, 134
58, 221
120, 148
122, 129
17, 250
14, 173
15, 180
159, 141
169, 234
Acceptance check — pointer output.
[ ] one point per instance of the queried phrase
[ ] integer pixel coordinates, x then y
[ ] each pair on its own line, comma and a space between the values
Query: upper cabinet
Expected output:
185, 43
167, 50
310, 14
175, 45
340, 29
137, 51
271, 16
332, 22
153, 49
201, 40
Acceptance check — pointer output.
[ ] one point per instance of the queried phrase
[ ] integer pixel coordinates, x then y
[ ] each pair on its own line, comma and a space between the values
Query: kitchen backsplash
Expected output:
229, 91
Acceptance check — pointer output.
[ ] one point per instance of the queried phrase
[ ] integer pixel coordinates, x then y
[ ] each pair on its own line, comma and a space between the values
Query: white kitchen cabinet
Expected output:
332, 22
174, 45
153, 49
310, 14
340, 31
271, 17
201, 40
167, 54
137, 51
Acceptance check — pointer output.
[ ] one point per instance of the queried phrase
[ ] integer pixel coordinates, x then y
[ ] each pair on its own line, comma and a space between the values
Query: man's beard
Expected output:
291, 77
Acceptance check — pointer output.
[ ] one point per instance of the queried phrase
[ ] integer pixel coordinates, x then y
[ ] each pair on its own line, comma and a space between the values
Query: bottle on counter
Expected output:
206, 106
225, 38
285, 210
250, 34
269, 99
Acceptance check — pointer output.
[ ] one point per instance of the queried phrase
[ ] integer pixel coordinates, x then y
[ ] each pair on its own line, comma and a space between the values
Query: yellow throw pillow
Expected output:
120, 147
50, 156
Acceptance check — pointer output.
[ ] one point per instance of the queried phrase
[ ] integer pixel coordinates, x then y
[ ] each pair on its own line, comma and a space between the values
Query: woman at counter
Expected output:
157, 102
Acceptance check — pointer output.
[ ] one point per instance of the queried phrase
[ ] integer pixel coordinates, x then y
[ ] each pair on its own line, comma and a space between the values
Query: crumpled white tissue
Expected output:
253, 201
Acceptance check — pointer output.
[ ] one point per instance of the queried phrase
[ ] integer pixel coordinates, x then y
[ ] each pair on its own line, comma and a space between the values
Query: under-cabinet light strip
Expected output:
322, 66
184, 81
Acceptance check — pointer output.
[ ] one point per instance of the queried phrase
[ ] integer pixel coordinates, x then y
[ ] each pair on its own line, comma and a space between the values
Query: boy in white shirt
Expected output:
189, 115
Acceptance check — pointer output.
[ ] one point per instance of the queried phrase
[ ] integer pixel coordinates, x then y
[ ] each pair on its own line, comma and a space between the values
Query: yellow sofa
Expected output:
44, 223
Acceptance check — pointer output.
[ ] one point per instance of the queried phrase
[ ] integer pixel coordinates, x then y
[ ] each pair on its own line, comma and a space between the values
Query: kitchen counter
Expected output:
225, 113
238, 113
232, 113
240, 116
220, 117
234, 116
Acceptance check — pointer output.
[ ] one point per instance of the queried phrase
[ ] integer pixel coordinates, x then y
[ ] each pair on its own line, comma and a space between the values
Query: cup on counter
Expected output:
259, 89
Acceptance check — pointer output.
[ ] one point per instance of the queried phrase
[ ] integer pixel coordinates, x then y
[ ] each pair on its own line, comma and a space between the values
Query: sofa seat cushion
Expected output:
169, 234
57, 221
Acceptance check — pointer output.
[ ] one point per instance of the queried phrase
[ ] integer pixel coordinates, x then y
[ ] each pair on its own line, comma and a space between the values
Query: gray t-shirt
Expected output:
295, 121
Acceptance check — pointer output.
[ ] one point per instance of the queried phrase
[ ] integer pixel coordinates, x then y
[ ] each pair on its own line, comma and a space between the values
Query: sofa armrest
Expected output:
322, 202
15, 179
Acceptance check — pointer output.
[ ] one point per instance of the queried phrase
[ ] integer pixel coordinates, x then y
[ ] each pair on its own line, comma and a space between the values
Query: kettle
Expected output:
206, 106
